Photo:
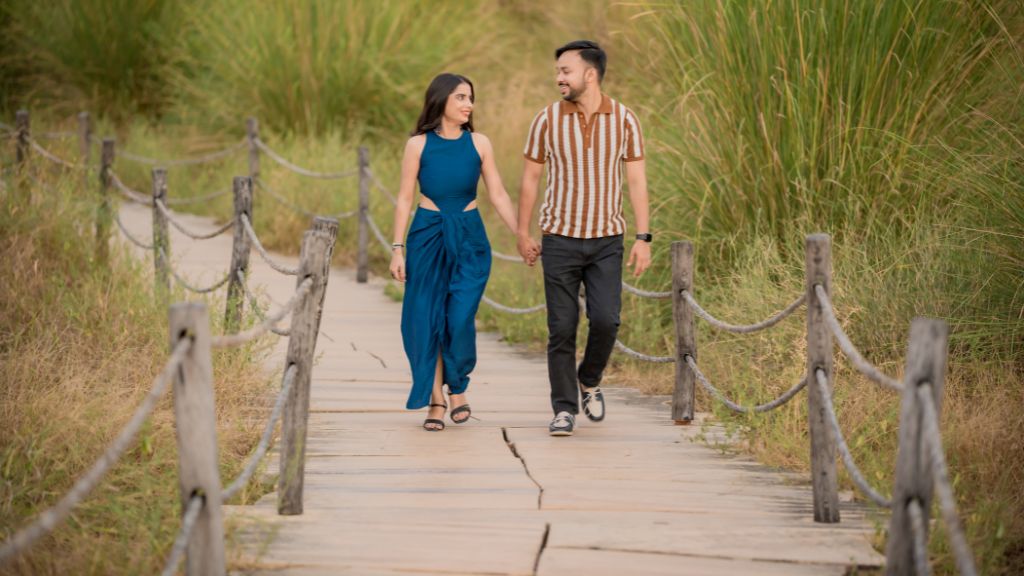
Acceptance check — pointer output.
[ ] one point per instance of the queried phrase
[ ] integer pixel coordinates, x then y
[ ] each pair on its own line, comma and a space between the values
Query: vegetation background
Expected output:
896, 127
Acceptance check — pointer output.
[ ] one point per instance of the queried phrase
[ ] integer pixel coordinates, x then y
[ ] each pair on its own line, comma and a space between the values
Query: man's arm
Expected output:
528, 247
636, 177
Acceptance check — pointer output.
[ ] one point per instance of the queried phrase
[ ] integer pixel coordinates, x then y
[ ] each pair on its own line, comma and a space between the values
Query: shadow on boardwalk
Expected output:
631, 495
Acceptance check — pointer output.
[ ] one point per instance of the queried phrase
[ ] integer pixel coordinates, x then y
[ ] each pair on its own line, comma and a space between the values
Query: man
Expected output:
586, 140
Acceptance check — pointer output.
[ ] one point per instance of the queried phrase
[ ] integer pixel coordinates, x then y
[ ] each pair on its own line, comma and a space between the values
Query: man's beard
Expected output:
574, 94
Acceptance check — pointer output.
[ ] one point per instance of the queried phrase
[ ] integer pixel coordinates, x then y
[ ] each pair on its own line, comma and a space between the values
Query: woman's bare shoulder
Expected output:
416, 143
482, 144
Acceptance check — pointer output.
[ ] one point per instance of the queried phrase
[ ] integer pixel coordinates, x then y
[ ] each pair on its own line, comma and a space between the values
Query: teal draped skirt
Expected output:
448, 262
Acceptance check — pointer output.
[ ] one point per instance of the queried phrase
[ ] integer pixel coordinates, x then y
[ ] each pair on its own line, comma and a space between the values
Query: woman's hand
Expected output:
398, 265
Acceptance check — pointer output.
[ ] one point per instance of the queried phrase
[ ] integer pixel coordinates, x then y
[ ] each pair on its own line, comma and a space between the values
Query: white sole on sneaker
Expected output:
560, 433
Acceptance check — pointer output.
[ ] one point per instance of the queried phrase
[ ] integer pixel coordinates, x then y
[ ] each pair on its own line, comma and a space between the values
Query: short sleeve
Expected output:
536, 149
634, 148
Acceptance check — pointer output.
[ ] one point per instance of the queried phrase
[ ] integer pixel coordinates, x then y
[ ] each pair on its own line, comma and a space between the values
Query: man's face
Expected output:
571, 72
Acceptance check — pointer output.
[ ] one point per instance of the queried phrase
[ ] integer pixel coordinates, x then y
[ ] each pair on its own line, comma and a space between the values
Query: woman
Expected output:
449, 255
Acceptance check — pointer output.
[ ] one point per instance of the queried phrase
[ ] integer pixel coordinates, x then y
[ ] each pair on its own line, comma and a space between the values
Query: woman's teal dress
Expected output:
448, 261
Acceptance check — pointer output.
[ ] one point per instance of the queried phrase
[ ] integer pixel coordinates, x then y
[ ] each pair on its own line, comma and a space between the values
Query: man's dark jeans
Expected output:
597, 263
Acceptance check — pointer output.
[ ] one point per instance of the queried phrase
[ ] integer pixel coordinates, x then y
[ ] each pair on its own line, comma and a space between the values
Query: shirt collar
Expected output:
568, 107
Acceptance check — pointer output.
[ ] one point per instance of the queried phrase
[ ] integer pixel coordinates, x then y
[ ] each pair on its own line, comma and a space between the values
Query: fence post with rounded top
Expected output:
363, 257
161, 236
242, 188
313, 264
686, 338
926, 364
196, 431
819, 357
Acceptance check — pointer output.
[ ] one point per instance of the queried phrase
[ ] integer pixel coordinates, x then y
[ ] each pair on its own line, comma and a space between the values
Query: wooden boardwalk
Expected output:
631, 495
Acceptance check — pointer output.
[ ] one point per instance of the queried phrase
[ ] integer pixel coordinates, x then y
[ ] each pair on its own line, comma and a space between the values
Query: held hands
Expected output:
528, 248
639, 257
398, 265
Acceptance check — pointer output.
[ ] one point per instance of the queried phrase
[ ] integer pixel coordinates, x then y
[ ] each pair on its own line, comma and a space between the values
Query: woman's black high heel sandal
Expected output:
435, 421
464, 409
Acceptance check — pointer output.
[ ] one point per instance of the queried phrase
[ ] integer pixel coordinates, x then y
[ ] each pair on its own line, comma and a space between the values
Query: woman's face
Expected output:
460, 104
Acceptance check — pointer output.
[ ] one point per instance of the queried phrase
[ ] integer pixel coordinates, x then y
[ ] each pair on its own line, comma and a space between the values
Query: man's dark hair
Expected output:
590, 52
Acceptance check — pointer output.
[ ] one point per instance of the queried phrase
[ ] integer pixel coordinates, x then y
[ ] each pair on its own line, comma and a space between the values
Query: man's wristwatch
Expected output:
646, 237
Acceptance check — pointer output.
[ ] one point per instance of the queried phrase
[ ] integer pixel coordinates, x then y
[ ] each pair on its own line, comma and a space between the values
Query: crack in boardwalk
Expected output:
543, 545
512, 447
379, 359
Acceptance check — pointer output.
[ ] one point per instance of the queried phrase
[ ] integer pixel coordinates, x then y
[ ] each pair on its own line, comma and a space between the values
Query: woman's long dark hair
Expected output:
441, 87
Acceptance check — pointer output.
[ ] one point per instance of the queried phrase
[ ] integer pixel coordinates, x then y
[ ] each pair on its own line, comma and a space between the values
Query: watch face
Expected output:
644, 237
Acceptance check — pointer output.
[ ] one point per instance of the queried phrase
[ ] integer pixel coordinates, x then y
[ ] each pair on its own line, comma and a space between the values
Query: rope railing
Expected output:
51, 156
188, 522
766, 407
377, 233
840, 441
191, 233
645, 293
299, 169
48, 520
56, 135
380, 186
863, 366
640, 355
512, 309
263, 251
264, 443
184, 283
133, 195
932, 438
920, 536
198, 199
255, 305
282, 200
169, 162
131, 238
232, 340
744, 328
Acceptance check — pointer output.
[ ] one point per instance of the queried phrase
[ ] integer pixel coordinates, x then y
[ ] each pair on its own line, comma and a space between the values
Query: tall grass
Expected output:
320, 66
107, 56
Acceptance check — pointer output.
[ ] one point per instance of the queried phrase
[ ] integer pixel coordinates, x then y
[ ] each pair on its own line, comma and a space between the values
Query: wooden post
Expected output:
196, 431
686, 336
242, 187
301, 347
85, 144
161, 236
362, 258
819, 356
252, 132
926, 364
328, 227
22, 128
103, 215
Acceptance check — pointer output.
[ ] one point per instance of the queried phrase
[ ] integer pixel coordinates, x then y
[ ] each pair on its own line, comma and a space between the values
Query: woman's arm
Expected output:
492, 179
403, 203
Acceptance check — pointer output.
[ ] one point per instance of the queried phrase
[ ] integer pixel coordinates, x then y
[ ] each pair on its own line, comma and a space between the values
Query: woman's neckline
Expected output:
459, 137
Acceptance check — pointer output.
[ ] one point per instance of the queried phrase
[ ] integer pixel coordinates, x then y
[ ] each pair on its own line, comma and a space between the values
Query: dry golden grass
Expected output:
80, 344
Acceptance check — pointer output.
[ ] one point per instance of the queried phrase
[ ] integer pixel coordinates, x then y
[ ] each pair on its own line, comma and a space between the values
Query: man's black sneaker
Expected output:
562, 425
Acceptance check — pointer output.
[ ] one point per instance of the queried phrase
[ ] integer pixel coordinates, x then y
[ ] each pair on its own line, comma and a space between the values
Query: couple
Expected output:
586, 139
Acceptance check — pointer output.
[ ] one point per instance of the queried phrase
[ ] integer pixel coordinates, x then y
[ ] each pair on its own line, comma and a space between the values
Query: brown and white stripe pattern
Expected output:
583, 198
